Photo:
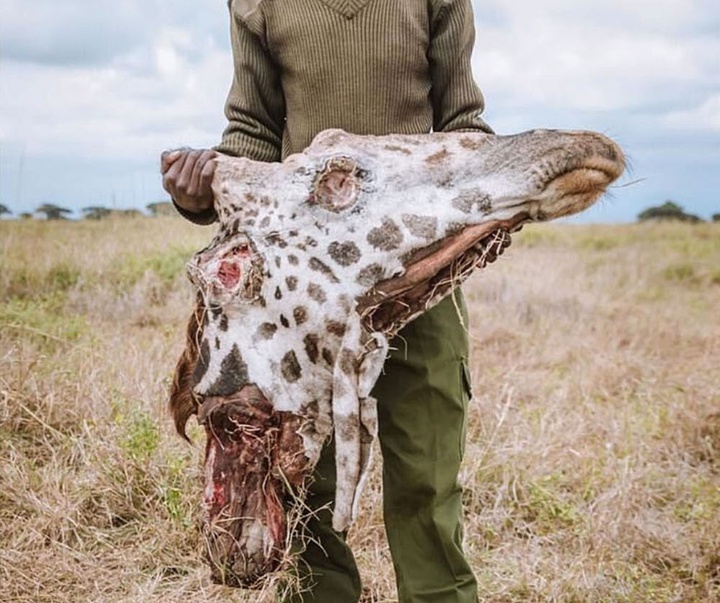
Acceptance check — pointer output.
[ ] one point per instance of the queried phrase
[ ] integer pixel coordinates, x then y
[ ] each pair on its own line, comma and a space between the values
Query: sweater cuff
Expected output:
203, 218
476, 124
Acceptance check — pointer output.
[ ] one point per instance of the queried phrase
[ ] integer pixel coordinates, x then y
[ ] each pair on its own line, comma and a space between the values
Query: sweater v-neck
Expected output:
347, 8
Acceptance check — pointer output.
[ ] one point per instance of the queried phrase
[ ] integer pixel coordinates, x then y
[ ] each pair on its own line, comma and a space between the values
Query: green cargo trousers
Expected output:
422, 403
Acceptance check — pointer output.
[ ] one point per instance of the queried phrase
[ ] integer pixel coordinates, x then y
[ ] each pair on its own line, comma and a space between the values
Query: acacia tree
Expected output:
716, 218
52, 211
96, 212
667, 211
161, 208
129, 213
4, 209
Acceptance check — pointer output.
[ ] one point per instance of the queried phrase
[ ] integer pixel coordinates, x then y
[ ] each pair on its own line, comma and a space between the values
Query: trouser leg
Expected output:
422, 402
423, 397
326, 566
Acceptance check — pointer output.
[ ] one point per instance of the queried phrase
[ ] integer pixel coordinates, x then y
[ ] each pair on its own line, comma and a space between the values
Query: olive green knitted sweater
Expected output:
366, 66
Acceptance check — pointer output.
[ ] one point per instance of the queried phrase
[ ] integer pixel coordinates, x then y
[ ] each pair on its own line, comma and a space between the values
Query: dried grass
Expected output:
593, 458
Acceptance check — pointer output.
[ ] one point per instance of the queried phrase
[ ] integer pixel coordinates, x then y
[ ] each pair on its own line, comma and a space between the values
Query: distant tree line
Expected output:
672, 211
50, 211
667, 211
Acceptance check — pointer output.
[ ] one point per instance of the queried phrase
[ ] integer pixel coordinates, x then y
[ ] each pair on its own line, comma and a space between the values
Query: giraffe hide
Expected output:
317, 262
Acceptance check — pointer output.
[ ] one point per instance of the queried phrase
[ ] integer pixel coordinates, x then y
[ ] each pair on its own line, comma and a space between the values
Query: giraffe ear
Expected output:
337, 186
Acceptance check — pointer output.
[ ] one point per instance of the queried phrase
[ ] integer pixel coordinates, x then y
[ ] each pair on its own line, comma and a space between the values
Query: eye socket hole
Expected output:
229, 274
337, 186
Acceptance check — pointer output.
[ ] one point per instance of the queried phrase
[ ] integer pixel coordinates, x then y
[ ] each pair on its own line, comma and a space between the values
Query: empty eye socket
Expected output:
229, 274
230, 269
337, 186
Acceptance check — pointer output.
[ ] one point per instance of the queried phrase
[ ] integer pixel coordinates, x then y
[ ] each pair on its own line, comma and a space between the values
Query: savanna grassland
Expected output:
592, 470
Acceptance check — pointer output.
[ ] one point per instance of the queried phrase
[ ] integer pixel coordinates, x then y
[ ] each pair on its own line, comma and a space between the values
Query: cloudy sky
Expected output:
92, 92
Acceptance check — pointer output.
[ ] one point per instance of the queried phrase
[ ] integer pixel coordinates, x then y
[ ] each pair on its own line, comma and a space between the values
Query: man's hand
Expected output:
187, 175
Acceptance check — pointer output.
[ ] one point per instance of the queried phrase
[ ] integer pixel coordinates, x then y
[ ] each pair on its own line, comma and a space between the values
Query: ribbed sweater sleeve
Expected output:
457, 101
255, 106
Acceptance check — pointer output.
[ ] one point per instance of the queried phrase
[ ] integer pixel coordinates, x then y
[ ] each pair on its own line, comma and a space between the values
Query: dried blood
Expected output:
229, 273
253, 454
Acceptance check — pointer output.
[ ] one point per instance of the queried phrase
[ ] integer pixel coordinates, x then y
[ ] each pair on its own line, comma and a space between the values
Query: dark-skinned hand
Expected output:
187, 176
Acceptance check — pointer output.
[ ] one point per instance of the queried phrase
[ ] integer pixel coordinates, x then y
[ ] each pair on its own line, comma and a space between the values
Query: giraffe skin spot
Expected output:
335, 328
370, 275
311, 347
438, 157
345, 254
300, 314
266, 330
274, 238
317, 293
347, 427
386, 237
319, 266
348, 362
470, 143
233, 375
290, 367
397, 149
470, 202
327, 357
422, 227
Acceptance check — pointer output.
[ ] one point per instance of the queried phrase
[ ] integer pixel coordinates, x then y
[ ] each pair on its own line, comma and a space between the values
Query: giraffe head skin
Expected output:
317, 262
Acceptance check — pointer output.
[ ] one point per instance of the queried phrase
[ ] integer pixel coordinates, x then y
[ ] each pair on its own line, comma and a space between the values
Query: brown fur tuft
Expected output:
183, 403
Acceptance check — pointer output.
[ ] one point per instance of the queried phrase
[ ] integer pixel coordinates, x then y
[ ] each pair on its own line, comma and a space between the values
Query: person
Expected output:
368, 67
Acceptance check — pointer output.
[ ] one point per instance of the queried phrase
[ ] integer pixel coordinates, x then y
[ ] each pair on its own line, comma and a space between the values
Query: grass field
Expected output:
592, 472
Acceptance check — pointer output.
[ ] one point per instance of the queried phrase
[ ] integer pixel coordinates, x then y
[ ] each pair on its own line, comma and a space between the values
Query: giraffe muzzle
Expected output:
253, 460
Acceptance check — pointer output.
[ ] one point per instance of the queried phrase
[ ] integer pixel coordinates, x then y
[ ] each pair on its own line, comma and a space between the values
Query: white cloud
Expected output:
637, 15
44, 31
78, 32
703, 117
114, 110
560, 53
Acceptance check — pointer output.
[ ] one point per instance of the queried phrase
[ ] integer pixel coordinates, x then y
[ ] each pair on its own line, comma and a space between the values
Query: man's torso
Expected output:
359, 65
